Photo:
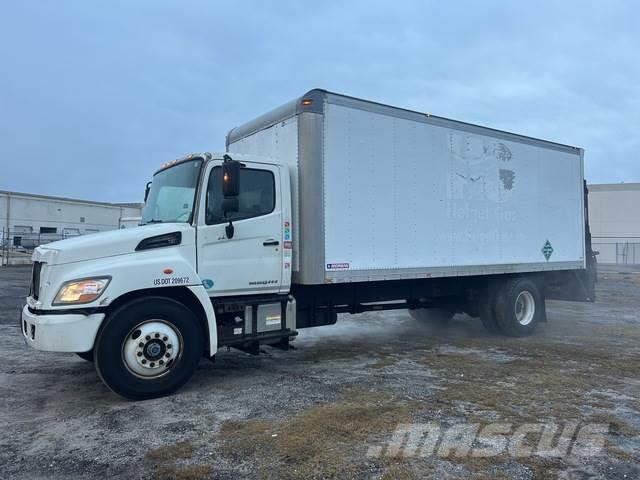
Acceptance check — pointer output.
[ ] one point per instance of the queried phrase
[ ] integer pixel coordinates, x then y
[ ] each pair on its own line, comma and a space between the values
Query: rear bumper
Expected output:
60, 333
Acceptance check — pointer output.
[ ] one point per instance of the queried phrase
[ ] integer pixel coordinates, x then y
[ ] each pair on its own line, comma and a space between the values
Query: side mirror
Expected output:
230, 191
146, 191
230, 177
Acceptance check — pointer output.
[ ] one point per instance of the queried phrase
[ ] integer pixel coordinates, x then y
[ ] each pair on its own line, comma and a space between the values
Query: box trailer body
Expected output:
382, 193
326, 205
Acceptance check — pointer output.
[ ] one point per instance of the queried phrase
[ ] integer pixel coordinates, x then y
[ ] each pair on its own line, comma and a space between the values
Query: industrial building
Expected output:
28, 220
614, 217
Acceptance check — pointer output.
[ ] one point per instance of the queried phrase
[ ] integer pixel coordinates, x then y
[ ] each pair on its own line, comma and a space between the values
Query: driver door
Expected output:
251, 261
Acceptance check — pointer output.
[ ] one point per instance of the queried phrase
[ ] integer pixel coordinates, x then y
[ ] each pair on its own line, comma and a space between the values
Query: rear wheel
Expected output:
148, 348
519, 306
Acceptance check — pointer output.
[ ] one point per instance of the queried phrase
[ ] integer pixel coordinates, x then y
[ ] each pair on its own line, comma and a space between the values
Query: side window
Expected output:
257, 195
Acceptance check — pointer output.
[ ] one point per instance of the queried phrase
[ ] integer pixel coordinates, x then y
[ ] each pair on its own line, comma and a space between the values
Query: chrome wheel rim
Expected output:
525, 308
151, 349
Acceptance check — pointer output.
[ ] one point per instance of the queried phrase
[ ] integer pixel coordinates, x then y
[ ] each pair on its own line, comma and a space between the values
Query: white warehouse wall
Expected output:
22, 210
614, 218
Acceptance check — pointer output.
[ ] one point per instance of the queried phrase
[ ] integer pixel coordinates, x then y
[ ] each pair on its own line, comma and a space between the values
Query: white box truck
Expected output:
326, 205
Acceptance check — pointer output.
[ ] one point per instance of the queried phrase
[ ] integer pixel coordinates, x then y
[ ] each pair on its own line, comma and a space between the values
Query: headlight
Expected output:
81, 291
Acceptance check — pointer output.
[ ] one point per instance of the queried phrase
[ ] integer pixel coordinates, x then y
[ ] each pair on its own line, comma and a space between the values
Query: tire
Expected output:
88, 356
519, 307
148, 348
487, 308
438, 316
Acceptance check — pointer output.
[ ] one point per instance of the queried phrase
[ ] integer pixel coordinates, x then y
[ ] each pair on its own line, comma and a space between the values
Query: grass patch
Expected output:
383, 362
166, 460
186, 472
542, 382
616, 426
326, 441
398, 472
167, 453
541, 468
622, 455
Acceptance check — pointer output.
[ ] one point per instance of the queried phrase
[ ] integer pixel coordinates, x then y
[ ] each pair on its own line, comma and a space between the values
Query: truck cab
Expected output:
203, 270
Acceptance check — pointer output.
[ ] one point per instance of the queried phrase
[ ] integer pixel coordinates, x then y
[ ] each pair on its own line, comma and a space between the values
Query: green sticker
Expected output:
547, 250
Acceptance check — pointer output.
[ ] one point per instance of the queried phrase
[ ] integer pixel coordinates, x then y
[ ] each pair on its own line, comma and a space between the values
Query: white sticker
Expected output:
338, 266
237, 331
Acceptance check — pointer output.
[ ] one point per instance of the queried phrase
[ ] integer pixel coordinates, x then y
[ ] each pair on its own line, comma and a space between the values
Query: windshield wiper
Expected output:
153, 220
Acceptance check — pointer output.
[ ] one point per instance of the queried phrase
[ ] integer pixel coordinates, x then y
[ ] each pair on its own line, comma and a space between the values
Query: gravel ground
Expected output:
317, 410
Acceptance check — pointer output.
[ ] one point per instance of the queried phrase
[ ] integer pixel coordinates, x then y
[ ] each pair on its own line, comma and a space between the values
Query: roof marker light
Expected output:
307, 101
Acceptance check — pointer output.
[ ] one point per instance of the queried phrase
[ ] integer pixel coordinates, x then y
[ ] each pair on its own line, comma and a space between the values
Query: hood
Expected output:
104, 244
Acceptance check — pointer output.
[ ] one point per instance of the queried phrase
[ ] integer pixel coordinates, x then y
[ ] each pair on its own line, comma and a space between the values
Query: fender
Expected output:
202, 296
149, 270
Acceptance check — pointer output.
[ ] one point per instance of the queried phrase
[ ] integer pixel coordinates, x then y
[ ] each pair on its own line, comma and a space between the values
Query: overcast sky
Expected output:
95, 95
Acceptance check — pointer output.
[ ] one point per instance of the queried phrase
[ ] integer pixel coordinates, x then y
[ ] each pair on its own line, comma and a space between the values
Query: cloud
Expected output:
95, 96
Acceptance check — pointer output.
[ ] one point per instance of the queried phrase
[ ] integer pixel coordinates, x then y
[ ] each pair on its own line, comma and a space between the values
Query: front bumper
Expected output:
60, 333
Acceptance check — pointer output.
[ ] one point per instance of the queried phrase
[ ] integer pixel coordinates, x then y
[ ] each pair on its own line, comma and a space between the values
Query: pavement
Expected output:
333, 407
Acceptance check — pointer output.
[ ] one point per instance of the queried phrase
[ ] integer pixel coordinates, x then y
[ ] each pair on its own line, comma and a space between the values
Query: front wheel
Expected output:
148, 348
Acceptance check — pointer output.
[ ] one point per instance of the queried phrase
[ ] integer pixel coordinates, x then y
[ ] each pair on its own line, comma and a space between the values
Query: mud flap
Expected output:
574, 285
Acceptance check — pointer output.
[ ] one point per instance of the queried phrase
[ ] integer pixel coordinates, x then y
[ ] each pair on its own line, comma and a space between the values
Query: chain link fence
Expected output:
619, 253
16, 246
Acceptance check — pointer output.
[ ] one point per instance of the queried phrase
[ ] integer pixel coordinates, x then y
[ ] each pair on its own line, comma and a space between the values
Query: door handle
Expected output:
271, 243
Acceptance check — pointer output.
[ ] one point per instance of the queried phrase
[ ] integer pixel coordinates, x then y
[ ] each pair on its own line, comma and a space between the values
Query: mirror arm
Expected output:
229, 230
146, 191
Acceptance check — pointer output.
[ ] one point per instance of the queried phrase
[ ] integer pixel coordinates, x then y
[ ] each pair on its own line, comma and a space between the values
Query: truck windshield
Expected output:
173, 193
